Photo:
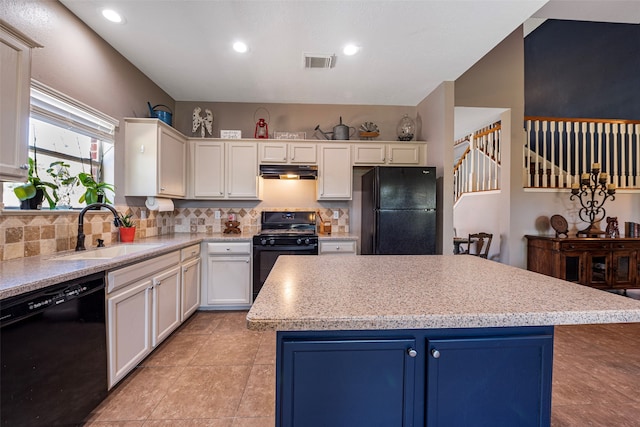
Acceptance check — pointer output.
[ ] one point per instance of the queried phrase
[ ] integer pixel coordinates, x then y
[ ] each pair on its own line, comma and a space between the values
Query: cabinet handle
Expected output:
435, 353
185, 269
24, 167
228, 249
221, 193
604, 246
247, 261
621, 246
337, 248
161, 188
572, 247
412, 352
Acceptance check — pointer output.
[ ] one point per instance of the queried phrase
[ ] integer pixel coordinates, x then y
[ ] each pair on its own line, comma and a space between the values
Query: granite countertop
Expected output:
337, 236
420, 292
28, 274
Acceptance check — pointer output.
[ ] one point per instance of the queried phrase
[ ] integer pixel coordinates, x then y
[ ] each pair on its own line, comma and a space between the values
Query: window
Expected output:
66, 138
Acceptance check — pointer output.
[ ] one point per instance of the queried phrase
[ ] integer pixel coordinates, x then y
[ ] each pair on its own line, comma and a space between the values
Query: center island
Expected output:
419, 340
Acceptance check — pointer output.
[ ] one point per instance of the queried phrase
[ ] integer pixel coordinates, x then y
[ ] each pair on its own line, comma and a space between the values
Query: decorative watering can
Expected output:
165, 116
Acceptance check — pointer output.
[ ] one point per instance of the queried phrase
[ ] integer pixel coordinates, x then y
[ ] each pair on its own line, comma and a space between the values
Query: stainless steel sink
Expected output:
109, 252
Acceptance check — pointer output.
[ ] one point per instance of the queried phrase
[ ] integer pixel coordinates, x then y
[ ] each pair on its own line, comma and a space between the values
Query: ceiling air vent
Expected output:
314, 60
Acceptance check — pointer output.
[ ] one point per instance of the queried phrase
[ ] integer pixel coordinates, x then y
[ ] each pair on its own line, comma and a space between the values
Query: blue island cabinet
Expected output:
425, 377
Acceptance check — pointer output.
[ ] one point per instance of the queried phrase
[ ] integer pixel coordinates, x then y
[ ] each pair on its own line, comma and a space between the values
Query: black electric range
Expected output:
282, 233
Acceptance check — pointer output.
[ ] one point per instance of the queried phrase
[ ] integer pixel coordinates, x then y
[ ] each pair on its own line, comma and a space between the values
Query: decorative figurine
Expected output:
204, 123
612, 227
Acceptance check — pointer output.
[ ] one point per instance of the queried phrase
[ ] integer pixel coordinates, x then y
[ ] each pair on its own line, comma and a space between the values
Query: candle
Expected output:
575, 185
611, 187
585, 178
604, 176
595, 167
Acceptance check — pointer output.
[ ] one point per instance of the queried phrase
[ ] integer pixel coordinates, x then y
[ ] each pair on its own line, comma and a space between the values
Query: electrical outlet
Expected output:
336, 214
217, 215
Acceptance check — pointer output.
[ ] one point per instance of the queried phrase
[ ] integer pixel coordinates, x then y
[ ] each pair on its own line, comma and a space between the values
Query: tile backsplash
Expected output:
45, 233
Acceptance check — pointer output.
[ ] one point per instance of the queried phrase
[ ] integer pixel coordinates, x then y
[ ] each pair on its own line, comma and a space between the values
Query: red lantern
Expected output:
262, 129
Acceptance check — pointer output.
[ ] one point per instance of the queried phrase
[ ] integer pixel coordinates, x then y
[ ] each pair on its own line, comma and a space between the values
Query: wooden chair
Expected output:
482, 243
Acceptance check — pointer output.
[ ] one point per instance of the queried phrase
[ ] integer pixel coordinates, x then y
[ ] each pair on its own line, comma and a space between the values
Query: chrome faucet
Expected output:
116, 221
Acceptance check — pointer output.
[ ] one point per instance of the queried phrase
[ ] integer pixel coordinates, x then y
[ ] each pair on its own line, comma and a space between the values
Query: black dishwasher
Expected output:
53, 352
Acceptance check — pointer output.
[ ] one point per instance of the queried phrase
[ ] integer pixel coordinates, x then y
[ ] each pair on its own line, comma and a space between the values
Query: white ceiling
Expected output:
408, 47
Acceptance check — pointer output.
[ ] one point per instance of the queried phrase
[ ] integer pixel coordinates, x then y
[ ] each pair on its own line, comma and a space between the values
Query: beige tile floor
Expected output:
214, 372
211, 372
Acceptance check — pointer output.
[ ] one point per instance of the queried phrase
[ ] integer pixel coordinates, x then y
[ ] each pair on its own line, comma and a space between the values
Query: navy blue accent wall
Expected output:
583, 69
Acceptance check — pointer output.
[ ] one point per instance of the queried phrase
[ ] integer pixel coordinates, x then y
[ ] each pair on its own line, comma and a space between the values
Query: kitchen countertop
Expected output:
421, 292
28, 274
337, 236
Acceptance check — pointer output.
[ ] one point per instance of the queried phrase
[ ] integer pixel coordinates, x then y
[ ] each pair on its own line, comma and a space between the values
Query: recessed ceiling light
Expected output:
240, 47
350, 49
112, 15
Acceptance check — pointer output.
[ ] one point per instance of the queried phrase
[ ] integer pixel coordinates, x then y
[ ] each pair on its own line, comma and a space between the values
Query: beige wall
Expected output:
497, 81
292, 117
436, 115
77, 62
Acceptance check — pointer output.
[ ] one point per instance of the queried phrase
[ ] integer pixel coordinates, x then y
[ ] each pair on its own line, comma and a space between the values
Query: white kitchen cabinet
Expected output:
333, 247
403, 154
334, 172
155, 159
190, 258
400, 154
242, 170
207, 169
143, 308
228, 275
224, 169
15, 86
166, 304
277, 152
129, 314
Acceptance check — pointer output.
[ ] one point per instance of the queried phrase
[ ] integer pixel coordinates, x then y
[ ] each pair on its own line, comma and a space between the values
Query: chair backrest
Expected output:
482, 243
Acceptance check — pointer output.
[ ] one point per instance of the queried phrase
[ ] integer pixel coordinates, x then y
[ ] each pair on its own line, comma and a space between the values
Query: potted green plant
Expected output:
32, 192
127, 228
94, 190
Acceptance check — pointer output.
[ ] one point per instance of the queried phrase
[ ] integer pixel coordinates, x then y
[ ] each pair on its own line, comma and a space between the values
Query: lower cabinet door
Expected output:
490, 381
129, 330
166, 304
350, 382
190, 288
229, 280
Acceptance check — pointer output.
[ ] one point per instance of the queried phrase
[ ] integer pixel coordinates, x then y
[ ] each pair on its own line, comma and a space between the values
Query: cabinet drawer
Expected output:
340, 246
229, 248
117, 279
189, 252
572, 246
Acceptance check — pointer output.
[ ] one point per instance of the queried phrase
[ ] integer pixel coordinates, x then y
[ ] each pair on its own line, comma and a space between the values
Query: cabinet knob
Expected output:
572, 246
412, 352
24, 167
621, 246
228, 249
337, 248
435, 353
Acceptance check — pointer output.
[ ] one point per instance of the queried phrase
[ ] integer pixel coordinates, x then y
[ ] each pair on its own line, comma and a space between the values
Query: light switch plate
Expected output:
336, 214
217, 215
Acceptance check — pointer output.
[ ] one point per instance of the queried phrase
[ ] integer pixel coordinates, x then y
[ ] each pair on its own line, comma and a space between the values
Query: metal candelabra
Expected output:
592, 192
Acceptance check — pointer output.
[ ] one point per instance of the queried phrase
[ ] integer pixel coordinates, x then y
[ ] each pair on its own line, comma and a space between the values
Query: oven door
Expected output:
264, 257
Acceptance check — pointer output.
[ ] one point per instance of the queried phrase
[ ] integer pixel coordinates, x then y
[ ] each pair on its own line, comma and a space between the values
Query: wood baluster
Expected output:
616, 178
636, 182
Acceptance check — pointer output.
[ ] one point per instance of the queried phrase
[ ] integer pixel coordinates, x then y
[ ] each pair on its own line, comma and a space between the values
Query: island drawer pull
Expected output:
412, 352
435, 353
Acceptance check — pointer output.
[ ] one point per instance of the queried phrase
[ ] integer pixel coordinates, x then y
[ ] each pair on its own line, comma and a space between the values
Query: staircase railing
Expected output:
558, 150
478, 169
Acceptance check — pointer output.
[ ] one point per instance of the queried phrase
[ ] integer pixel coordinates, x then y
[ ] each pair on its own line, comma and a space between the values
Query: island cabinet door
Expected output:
489, 381
350, 382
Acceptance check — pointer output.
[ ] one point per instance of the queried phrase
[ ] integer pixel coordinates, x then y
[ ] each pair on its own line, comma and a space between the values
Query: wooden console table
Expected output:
601, 263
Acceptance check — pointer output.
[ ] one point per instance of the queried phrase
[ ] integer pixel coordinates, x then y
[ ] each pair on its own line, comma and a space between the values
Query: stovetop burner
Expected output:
287, 228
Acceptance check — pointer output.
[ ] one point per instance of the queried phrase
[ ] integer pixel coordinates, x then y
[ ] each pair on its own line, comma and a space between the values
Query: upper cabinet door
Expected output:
208, 169
172, 163
303, 154
273, 152
404, 154
335, 172
369, 154
15, 69
242, 170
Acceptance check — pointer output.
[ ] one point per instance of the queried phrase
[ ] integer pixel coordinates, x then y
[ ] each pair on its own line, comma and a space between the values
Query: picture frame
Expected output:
230, 134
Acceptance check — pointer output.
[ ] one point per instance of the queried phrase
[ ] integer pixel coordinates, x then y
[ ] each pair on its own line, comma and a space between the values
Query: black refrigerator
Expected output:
399, 211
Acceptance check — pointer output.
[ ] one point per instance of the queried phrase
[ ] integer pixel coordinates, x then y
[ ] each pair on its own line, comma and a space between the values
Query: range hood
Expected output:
288, 172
